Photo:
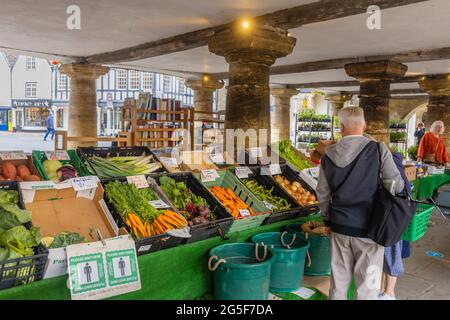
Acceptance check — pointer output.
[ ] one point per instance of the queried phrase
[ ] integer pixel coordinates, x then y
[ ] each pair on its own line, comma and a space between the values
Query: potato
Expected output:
294, 188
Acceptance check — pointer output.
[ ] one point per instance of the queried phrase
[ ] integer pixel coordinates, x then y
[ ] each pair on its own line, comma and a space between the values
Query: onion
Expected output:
297, 184
294, 188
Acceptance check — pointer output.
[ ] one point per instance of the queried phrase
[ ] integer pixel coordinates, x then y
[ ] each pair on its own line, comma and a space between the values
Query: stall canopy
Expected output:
171, 36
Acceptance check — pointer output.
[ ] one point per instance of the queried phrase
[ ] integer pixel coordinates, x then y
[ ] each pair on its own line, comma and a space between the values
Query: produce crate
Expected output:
298, 153
293, 175
223, 221
419, 223
167, 153
39, 157
20, 271
105, 152
145, 245
228, 180
269, 183
27, 162
251, 161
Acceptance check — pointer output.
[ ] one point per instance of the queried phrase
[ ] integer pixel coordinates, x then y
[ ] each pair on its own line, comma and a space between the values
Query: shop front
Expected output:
30, 115
5, 119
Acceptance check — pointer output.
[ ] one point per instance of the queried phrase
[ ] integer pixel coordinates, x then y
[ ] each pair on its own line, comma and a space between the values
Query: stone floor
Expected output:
25, 141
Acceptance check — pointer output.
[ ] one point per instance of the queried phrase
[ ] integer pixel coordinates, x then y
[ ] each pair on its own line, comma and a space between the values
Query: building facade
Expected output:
31, 87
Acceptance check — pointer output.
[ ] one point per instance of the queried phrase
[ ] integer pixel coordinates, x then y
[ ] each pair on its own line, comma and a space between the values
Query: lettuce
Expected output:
9, 197
21, 240
11, 216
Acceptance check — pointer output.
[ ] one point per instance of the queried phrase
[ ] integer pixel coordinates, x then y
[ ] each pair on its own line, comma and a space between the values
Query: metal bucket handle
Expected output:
213, 268
287, 245
257, 254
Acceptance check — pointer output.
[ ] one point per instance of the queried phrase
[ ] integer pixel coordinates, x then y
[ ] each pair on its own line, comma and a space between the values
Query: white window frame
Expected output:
30, 63
63, 81
167, 84
135, 80
147, 81
31, 89
121, 79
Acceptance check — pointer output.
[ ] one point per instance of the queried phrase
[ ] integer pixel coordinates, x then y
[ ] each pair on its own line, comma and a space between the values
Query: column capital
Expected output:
208, 84
340, 97
283, 92
253, 44
436, 85
83, 70
376, 70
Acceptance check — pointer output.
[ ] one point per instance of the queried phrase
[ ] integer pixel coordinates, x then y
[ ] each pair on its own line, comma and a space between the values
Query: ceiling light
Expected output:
245, 24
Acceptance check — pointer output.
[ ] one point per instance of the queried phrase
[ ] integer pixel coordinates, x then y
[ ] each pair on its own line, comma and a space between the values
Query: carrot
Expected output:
175, 217
176, 224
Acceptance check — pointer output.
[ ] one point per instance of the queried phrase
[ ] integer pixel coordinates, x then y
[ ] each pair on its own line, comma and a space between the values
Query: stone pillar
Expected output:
337, 101
438, 89
375, 80
83, 100
280, 118
203, 94
250, 52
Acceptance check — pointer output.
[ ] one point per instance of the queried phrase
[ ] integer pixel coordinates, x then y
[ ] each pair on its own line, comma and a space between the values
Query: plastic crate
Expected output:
293, 175
269, 183
105, 152
39, 157
228, 180
144, 245
20, 271
204, 231
417, 228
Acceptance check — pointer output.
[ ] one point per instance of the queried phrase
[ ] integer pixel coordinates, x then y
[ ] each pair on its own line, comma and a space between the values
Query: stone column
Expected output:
280, 119
438, 89
250, 52
337, 101
375, 79
203, 94
83, 100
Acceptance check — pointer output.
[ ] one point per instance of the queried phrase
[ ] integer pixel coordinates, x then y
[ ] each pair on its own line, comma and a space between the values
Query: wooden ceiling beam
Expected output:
290, 18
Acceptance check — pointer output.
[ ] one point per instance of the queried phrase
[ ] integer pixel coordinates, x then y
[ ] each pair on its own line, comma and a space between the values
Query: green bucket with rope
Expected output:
289, 250
319, 260
241, 271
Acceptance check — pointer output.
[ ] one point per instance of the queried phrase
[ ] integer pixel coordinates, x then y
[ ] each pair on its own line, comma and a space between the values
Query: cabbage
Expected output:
51, 166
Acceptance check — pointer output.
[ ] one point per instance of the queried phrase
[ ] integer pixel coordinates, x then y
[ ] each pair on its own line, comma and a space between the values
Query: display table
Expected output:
178, 273
426, 187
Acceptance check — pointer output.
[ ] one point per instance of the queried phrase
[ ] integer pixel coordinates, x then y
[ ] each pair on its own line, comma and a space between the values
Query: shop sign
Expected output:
103, 269
35, 103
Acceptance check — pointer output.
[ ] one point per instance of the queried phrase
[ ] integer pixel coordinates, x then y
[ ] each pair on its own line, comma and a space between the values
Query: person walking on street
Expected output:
420, 131
346, 190
50, 128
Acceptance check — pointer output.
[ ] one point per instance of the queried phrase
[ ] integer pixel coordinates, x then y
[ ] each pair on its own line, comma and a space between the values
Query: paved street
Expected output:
25, 141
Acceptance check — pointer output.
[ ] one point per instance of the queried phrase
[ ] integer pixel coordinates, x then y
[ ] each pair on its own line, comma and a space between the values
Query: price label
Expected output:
57, 155
242, 172
217, 158
169, 162
272, 169
209, 175
14, 155
268, 205
84, 183
139, 181
158, 204
244, 212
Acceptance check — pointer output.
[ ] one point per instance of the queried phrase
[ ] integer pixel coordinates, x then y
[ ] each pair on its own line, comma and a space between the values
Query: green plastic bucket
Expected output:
241, 271
319, 263
289, 251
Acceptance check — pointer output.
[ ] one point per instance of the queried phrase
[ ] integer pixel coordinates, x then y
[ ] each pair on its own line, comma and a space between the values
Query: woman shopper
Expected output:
420, 132
393, 263
432, 145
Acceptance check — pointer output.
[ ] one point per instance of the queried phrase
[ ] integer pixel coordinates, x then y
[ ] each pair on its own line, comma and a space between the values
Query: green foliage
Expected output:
398, 136
65, 239
20, 239
9, 197
287, 152
179, 193
412, 153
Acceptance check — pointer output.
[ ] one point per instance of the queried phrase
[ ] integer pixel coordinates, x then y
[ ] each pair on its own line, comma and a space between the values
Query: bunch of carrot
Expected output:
167, 220
230, 201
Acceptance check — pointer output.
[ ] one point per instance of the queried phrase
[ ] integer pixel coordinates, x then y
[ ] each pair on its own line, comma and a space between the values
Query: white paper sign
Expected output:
217, 158
268, 205
242, 172
271, 170
57, 155
304, 293
13, 155
100, 270
169, 162
158, 204
84, 183
139, 181
209, 175
88, 193
244, 212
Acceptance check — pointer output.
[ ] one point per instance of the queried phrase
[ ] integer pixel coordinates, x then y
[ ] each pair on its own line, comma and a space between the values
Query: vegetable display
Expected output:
115, 167
302, 196
231, 201
8, 171
194, 208
16, 241
63, 239
287, 152
265, 195
58, 172
143, 219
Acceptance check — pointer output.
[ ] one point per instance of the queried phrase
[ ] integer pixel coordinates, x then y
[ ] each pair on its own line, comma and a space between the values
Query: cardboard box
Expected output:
58, 207
411, 172
17, 162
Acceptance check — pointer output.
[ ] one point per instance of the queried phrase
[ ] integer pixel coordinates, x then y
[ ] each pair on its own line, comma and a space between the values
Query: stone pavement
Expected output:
25, 141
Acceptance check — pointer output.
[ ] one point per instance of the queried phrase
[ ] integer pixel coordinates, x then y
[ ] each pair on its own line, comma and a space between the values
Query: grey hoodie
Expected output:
342, 154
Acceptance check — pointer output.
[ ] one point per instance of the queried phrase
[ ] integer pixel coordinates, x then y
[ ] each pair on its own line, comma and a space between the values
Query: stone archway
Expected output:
420, 111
